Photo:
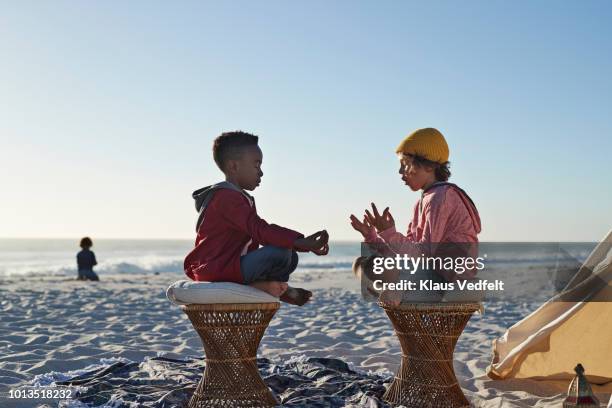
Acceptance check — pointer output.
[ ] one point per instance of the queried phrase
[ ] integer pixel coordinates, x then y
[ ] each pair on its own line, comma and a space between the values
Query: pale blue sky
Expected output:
108, 111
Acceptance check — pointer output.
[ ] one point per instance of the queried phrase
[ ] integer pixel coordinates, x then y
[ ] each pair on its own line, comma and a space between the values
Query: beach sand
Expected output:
123, 334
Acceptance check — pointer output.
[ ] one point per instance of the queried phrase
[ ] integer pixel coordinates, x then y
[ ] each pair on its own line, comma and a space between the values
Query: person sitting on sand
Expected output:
229, 231
86, 260
443, 216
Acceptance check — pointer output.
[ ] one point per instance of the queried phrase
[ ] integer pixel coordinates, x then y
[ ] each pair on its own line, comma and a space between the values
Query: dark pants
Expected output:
88, 274
268, 263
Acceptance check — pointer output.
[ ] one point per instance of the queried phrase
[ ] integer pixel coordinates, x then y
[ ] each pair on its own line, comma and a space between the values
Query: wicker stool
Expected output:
231, 334
428, 333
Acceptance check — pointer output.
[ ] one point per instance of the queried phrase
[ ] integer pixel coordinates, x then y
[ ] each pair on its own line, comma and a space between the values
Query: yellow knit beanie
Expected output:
428, 143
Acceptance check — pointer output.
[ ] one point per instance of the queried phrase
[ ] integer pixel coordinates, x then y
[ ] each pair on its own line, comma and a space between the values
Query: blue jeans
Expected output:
268, 263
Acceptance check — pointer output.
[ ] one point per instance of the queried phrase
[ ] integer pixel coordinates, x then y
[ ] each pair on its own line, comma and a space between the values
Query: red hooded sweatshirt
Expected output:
229, 227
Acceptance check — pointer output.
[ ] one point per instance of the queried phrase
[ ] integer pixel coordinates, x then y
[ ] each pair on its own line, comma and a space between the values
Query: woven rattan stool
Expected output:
231, 334
428, 333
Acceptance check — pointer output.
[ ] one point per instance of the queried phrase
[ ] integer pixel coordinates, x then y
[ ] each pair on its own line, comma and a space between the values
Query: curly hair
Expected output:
86, 242
441, 170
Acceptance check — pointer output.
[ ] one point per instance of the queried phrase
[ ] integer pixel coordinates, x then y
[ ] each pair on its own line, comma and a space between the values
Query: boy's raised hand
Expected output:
316, 243
380, 221
363, 227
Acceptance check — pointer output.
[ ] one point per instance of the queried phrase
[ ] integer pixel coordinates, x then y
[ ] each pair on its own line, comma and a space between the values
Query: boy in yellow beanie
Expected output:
443, 214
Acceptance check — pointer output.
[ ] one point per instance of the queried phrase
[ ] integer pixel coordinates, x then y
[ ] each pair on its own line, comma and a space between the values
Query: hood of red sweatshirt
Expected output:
202, 197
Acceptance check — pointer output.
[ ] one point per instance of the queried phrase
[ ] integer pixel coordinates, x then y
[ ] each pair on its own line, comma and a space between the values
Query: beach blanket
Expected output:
161, 382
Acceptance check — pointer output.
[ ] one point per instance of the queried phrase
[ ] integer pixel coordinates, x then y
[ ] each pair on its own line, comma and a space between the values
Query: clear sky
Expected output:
108, 110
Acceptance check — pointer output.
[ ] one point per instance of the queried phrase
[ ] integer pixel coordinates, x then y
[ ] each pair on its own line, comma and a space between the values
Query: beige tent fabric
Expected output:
547, 344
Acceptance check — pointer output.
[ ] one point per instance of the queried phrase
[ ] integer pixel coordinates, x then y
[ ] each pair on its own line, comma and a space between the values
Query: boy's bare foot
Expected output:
296, 296
274, 288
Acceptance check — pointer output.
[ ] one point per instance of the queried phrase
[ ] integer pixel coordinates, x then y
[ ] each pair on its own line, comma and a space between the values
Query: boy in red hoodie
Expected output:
229, 231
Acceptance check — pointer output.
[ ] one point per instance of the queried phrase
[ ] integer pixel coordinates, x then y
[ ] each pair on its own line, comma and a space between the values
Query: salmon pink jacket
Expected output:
443, 214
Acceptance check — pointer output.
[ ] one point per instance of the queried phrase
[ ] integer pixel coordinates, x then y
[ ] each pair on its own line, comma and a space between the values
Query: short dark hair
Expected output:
86, 242
441, 170
228, 145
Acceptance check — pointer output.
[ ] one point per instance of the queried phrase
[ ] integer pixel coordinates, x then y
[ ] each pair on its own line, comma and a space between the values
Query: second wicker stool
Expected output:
428, 333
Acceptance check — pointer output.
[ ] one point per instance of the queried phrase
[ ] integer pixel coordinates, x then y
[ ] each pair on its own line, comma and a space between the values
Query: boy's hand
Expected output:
322, 251
321, 237
363, 227
316, 243
380, 221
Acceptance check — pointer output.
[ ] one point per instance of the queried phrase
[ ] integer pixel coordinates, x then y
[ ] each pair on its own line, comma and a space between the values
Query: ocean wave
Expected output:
174, 264
537, 259
138, 266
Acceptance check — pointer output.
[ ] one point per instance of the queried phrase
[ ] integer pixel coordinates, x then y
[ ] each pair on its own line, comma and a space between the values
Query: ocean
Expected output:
57, 257
544, 268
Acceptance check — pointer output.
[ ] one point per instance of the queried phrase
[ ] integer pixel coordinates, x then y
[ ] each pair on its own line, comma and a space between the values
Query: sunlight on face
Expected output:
249, 172
413, 175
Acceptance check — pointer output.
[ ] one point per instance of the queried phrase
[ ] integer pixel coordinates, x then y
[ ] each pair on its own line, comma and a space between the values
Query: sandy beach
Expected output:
129, 346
